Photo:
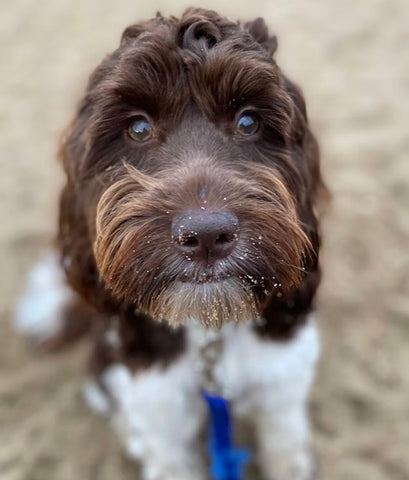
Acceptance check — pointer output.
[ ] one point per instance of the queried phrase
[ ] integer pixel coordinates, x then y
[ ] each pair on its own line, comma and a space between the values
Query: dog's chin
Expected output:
212, 302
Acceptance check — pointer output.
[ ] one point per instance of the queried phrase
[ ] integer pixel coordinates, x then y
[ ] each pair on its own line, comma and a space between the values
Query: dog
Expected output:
188, 243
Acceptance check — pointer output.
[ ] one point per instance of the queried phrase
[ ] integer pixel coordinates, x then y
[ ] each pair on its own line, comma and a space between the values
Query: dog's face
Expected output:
192, 170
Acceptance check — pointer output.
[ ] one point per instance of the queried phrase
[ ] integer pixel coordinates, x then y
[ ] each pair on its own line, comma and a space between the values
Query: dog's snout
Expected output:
206, 235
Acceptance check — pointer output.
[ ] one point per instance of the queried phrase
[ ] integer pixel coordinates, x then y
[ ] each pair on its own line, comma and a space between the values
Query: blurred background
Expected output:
352, 59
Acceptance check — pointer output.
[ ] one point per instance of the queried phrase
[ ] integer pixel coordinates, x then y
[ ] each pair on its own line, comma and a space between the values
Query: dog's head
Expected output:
192, 173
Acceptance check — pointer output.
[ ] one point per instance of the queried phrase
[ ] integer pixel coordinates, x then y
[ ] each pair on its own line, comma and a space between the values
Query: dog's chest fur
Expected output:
253, 373
235, 362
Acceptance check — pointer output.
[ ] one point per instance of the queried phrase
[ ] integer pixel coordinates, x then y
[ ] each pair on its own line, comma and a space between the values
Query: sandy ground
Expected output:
352, 59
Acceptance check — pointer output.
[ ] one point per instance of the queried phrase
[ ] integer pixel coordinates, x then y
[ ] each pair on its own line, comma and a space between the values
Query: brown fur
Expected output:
191, 77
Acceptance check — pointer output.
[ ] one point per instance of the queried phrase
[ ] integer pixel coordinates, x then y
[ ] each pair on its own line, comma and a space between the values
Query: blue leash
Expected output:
227, 462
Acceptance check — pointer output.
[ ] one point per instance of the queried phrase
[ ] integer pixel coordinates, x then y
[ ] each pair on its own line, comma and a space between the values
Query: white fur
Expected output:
250, 363
157, 415
38, 314
96, 399
270, 381
159, 412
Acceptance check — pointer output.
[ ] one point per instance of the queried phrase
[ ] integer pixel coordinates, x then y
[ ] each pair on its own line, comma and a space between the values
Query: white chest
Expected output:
242, 363
157, 408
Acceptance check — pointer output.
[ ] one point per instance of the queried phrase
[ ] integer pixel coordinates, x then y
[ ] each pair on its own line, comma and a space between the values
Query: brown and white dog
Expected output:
188, 218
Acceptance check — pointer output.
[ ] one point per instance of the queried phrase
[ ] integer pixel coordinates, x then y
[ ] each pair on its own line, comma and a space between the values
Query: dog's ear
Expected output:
259, 31
305, 144
73, 239
74, 143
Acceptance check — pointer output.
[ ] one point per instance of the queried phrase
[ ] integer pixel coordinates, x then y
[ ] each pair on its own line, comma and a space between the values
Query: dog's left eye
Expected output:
140, 129
247, 124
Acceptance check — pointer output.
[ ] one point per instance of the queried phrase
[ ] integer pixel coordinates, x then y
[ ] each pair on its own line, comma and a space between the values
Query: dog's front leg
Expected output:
280, 409
270, 385
283, 442
157, 415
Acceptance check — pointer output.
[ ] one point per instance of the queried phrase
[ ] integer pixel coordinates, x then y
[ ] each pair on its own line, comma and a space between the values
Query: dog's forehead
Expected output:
217, 71
195, 136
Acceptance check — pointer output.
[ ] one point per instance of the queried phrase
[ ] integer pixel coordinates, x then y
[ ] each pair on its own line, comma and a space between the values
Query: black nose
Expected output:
206, 235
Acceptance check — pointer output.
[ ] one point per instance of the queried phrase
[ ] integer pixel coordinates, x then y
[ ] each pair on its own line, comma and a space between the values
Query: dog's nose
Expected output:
206, 235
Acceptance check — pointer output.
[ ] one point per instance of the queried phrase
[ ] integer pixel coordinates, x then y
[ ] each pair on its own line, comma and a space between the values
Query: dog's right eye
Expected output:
247, 124
140, 129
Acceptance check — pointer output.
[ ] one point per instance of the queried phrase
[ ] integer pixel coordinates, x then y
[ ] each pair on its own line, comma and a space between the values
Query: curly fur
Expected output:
191, 77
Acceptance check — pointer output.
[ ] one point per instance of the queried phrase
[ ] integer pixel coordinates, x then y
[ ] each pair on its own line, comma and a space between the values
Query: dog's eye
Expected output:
247, 124
139, 129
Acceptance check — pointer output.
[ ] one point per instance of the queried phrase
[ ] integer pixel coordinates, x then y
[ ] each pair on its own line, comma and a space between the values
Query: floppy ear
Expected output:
74, 142
79, 196
74, 239
284, 316
259, 31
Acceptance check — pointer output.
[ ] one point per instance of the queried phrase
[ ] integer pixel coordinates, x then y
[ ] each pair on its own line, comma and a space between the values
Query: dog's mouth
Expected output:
206, 280
204, 277
212, 294
224, 272
219, 275
210, 298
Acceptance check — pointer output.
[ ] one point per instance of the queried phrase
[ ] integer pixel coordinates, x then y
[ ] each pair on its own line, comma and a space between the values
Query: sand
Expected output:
352, 60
